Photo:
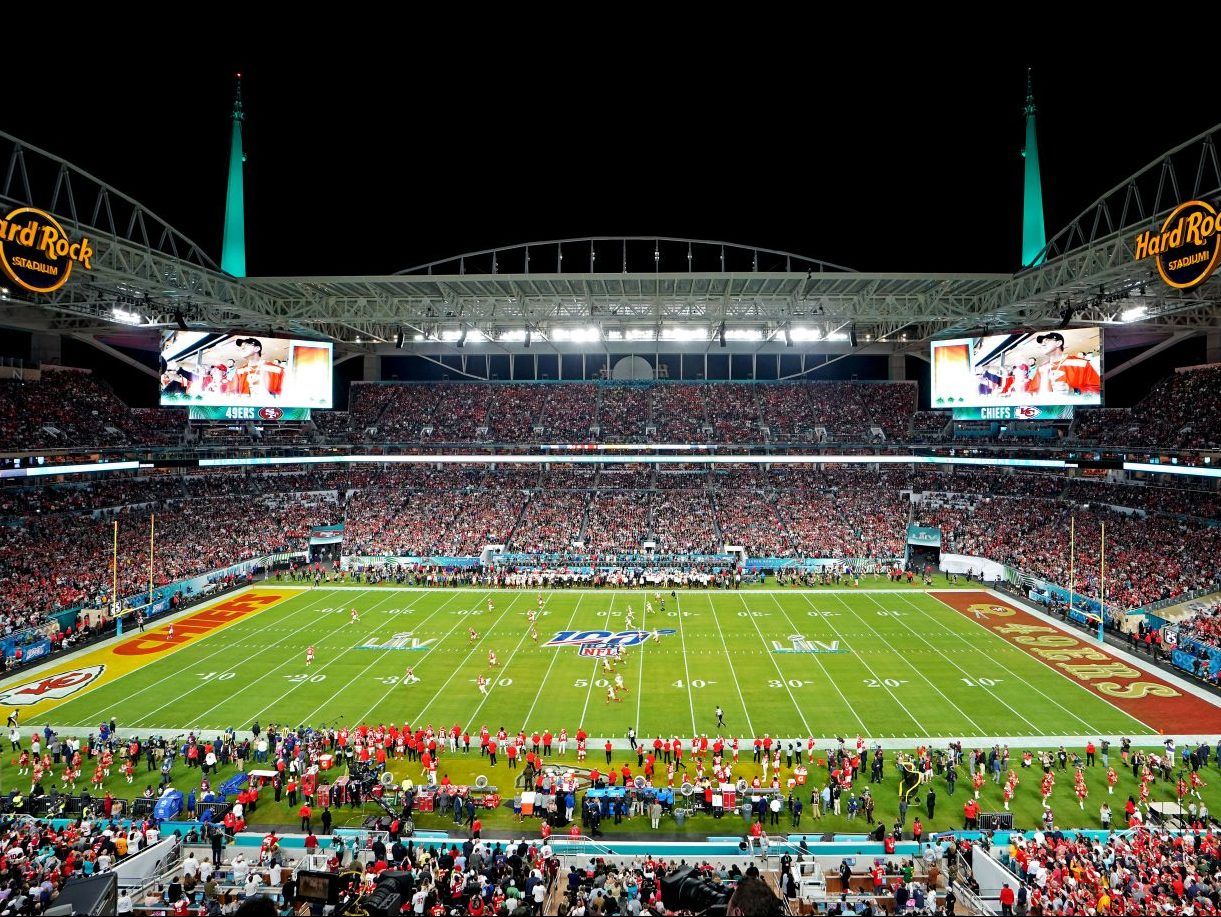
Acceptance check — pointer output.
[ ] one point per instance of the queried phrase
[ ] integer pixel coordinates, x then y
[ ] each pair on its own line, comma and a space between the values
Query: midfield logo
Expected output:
603, 642
53, 687
801, 645
403, 641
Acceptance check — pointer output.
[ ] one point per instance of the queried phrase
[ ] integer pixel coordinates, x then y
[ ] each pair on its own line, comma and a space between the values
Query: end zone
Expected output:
1160, 701
48, 686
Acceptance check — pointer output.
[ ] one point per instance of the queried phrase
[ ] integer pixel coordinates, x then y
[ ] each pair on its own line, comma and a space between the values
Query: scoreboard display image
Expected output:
205, 369
1025, 369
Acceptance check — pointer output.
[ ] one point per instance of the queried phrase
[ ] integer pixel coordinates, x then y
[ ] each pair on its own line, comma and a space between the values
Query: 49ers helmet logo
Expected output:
270, 413
52, 687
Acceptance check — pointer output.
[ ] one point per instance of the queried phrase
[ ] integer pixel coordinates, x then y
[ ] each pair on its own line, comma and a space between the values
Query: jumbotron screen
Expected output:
225, 370
1026, 369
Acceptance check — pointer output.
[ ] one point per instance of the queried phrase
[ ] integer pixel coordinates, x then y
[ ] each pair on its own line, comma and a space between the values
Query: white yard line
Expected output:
911, 665
973, 677
678, 608
732, 672
494, 681
644, 613
234, 666
288, 661
466, 658
377, 658
880, 681
827, 675
224, 649
550, 666
589, 690
766, 651
1033, 687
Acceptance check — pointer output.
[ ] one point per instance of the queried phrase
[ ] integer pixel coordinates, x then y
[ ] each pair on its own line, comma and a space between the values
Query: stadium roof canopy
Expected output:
596, 289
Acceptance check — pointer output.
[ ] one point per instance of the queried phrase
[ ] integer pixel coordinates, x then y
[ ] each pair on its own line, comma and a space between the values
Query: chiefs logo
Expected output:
270, 413
53, 687
1027, 413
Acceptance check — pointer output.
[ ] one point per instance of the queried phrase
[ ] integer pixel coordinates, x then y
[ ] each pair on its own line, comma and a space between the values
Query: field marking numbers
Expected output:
305, 719
1028, 684
174, 674
416, 679
554, 656
199, 719
470, 652
916, 669
776, 665
840, 636
686, 668
732, 672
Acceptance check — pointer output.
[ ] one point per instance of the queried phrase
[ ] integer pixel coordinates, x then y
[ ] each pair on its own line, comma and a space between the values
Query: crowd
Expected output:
74, 409
65, 560
1148, 871
1147, 559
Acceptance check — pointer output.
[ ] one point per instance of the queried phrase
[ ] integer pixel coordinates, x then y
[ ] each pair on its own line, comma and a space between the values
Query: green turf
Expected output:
908, 666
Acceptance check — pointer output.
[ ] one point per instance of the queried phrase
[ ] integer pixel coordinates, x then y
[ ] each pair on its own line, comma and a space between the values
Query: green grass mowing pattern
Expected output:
907, 666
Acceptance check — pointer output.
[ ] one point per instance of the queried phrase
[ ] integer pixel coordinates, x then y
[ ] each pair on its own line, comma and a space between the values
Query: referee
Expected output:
720, 716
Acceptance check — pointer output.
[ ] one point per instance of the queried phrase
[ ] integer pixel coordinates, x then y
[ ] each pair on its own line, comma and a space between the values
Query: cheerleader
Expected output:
977, 782
23, 763
129, 771
1112, 779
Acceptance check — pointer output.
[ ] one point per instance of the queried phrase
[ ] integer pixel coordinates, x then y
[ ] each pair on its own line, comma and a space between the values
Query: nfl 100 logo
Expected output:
598, 643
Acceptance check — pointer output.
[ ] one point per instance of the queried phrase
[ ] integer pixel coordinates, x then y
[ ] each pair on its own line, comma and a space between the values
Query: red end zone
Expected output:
1142, 695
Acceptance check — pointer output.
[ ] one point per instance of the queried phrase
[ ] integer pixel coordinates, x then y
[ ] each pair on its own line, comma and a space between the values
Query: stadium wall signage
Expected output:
37, 253
1187, 248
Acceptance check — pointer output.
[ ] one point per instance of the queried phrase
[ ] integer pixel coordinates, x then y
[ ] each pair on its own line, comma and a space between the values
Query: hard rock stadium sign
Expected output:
36, 251
1188, 246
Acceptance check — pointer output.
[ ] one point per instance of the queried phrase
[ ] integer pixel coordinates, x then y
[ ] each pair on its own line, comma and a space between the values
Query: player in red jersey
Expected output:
355, 616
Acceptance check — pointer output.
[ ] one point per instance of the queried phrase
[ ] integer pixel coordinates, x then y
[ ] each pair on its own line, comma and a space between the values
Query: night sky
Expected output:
888, 155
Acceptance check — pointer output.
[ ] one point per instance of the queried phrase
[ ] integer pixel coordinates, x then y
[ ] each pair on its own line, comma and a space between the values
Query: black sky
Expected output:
366, 156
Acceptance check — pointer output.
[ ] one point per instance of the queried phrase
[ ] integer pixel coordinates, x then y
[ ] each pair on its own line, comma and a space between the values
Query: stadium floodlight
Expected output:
125, 317
1134, 314
802, 333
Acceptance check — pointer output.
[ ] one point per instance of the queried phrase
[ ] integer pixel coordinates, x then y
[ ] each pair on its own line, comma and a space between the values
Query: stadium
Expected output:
609, 574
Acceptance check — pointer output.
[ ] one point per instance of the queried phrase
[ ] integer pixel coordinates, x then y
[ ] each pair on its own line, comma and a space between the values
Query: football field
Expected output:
884, 663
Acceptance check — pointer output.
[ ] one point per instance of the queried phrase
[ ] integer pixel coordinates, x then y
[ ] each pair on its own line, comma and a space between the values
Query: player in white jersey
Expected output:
540, 601
471, 634
530, 617
492, 663
629, 618
611, 695
491, 607
309, 656
648, 607
355, 616
534, 634
409, 676
169, 632
483, 685
619, 685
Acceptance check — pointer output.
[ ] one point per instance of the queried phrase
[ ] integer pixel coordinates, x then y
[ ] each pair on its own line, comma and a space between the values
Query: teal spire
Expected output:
1034, 236
233, 249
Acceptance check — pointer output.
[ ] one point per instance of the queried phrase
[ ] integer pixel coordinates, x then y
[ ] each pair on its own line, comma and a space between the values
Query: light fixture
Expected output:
1134, 314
